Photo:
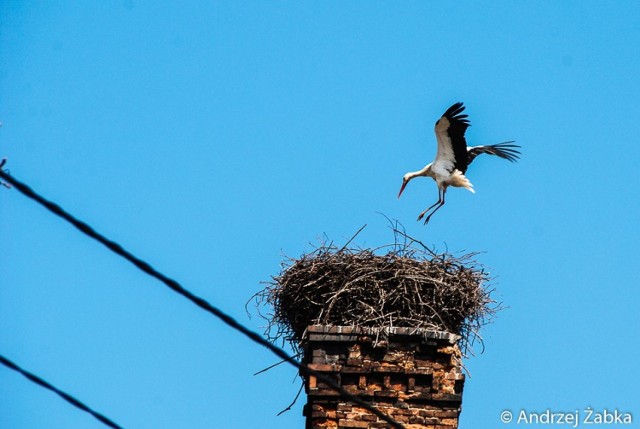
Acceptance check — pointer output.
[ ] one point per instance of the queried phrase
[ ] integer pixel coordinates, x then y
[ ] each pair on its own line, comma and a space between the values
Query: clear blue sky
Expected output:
211, 138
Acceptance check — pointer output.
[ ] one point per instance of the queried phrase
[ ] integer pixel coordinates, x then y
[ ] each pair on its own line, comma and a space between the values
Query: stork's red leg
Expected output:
441, 201
421, 215
438, 203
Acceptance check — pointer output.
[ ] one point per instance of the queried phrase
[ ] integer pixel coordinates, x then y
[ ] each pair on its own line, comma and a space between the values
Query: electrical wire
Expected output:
200, 302
73, 401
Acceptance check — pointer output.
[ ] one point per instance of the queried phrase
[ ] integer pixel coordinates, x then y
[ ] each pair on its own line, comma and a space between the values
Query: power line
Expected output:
73, 401
200, 302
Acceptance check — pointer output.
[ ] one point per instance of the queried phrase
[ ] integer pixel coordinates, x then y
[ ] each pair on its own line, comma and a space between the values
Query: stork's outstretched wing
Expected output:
505, 150
452, 147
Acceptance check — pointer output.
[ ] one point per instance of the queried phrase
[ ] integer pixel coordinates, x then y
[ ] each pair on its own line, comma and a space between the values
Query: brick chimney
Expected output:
413, 375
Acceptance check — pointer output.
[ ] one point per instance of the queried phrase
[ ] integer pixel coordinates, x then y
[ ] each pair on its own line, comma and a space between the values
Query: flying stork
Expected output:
454, 156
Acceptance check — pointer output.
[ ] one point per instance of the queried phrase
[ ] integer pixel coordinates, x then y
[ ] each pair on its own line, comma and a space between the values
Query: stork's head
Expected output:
426, 171
407, 177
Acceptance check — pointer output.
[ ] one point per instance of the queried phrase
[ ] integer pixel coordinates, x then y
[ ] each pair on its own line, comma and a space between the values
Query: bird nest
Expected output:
401, 285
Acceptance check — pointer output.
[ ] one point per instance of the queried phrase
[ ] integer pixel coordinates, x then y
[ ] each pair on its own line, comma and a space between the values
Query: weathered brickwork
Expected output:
413, 375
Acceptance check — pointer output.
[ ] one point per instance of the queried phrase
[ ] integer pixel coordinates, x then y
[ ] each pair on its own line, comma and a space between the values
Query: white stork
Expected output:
454, 156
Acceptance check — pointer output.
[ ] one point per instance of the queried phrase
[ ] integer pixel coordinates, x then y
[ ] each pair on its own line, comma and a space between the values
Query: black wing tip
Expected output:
508, 145
455, 109
508, 151
453, 113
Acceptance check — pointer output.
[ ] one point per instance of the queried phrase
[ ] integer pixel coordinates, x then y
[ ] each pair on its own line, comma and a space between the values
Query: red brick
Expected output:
352, 424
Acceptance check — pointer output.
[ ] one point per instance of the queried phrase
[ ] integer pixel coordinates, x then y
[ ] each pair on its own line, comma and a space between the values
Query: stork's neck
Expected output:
425, 172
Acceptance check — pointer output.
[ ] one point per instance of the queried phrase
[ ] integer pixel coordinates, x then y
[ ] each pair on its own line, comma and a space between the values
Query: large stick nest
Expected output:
401, 285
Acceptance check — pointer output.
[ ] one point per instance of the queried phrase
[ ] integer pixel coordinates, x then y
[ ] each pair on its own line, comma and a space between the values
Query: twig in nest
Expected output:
294, 401
276, 364
353, 237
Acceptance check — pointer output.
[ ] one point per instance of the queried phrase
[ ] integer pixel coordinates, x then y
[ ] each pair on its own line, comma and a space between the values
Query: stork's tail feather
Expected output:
459, 180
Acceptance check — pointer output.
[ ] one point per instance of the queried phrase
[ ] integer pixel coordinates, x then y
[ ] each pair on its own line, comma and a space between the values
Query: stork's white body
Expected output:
453, 156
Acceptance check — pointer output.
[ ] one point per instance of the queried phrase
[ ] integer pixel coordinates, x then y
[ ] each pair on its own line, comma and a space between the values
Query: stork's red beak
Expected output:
404, 183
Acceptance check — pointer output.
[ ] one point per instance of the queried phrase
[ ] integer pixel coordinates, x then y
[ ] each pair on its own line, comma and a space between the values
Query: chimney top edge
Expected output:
394, 331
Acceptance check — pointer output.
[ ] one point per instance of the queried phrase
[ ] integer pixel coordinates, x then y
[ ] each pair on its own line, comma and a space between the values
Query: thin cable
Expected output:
200, 302
73, 401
